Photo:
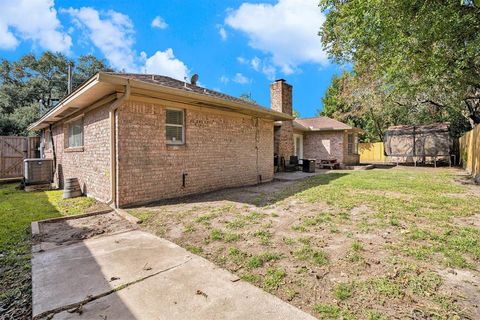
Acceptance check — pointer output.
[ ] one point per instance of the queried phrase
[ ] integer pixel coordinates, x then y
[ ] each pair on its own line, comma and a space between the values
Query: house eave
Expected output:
103, 84
197, 98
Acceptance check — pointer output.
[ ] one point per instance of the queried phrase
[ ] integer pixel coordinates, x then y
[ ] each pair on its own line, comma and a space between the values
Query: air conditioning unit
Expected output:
38, 171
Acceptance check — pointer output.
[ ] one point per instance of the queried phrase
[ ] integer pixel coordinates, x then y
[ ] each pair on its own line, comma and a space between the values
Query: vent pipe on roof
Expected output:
69, 78
194, 79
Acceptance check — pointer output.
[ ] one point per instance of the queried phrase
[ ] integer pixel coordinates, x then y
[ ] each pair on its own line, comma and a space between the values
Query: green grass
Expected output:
231, 237
251, 277
216, 235
343, 291
357, 246
401, 198
194, 249
264, 236
205, 219
17, 210
307, 253
420, 214
274, 278
257, 261
237, 223
330, 312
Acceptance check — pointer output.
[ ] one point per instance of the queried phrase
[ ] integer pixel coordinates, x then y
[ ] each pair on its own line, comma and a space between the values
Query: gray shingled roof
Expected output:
322, 123
177, 84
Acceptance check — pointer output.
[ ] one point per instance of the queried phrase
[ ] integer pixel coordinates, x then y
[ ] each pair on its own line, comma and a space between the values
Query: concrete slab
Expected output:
136, 275
298, 175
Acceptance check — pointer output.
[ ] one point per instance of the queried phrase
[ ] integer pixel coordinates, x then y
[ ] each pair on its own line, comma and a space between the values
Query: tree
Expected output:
296, 113
421, 56
30, 86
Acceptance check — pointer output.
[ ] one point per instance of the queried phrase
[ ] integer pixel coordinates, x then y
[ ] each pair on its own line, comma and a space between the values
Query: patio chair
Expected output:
293, 164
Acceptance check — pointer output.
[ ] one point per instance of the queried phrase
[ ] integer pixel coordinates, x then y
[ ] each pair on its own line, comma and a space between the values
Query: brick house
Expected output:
135, 138
319, 138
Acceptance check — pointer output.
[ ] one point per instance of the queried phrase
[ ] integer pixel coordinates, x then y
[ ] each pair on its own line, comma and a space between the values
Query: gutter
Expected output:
113, 144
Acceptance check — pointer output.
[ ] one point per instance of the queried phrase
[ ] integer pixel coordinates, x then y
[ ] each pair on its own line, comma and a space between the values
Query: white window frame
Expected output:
171, 142
69, 124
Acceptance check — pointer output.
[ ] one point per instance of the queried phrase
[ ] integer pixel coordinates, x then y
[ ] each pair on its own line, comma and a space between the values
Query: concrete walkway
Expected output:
298, 175
136, 275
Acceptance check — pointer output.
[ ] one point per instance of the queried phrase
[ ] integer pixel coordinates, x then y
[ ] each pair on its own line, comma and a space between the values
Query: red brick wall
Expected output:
220, 151
92, 165
281, 101
313, 147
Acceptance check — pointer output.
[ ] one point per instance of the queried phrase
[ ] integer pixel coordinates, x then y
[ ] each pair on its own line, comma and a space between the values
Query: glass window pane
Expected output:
75, 134
174, 117
174, 134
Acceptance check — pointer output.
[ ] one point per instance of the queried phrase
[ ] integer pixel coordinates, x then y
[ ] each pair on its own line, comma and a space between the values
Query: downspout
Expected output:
53, 150
113, 144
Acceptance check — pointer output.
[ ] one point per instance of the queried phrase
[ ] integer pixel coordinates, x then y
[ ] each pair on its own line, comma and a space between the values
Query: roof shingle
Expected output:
322, 123
177, 84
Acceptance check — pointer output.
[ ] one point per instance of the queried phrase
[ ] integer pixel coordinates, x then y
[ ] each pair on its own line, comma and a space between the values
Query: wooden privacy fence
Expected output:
469, 145
12, 152
371, 152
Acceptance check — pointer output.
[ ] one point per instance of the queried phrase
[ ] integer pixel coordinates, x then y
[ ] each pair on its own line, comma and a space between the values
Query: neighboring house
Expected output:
135, 138
319, 138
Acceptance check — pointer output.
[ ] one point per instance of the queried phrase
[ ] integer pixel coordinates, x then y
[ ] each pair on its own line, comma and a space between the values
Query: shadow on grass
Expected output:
17, 210
258, 195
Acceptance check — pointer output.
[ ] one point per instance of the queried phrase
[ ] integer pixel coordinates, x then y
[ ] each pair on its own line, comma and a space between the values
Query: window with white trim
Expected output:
75, 133
175, 126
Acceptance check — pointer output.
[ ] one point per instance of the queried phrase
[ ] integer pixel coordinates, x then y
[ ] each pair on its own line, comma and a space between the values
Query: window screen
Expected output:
175, 127
75, 133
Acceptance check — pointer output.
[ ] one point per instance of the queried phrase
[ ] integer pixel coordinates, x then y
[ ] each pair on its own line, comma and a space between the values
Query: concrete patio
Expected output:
136, 275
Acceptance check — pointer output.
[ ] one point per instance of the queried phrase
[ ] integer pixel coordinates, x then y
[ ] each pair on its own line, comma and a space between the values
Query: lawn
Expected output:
377, 244
17, 210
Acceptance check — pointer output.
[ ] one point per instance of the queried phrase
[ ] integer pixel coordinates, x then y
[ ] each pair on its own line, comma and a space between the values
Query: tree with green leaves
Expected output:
30, 86
417, 59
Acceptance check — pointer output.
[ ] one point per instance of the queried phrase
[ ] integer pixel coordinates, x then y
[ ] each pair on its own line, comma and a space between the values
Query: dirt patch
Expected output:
64, 232
468, 283
333, 257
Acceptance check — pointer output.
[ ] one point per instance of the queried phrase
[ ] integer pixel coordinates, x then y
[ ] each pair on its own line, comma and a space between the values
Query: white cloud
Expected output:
269, 71
224, 79
166, 64
222, 32
159, 23
111, 32
242, 60
34, 20
255, 63
240, 79
264, 66
288, 31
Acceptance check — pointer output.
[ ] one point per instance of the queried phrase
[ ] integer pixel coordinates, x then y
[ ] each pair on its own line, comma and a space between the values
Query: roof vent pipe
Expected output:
194, 79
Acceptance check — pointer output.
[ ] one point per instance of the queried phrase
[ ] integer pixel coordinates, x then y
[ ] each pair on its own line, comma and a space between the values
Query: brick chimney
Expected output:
281, 101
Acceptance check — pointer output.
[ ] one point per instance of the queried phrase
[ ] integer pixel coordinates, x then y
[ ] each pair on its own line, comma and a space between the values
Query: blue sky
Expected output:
235, 46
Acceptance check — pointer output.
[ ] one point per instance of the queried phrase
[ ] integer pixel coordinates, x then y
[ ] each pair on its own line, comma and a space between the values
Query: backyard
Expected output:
17, 210
378, 244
